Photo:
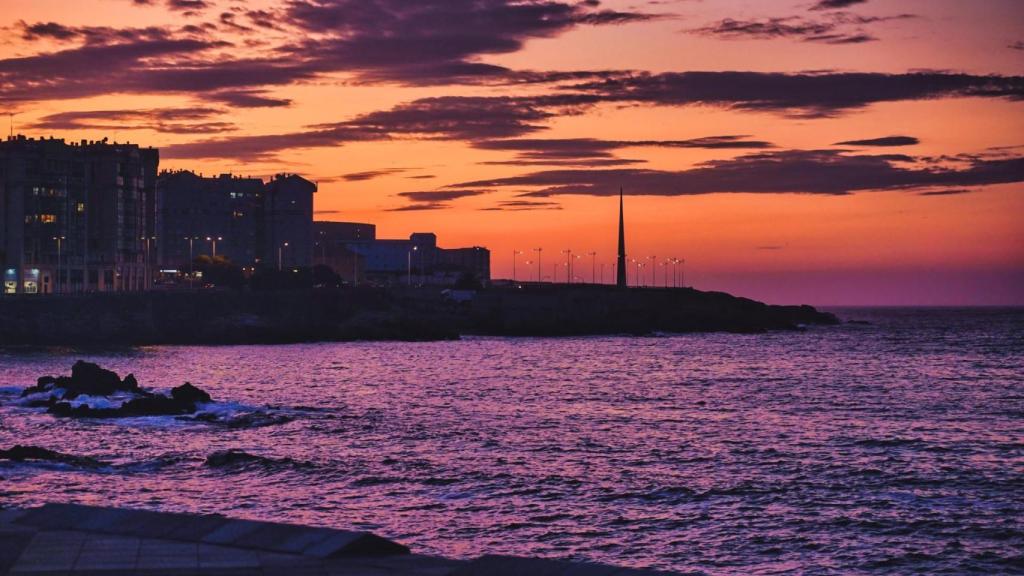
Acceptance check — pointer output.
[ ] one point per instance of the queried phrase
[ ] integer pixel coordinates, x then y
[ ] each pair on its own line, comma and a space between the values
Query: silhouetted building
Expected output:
75, 217
247, 221
420, 261
330, 247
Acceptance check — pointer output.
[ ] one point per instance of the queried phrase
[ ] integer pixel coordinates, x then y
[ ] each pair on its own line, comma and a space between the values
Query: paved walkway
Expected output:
68, 539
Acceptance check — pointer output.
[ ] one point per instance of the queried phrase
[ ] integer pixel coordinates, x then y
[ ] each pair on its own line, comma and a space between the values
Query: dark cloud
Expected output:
371, 174
795, 171
518, 205
806, 95
450, 117
477, 119
421, 177
170, 120
595, 152
883, 141
188, 5
246, 98
417, 207
441, 195
435, 199
413, 42
836, 4
48, 30
836, 28
1017, 45
950, 192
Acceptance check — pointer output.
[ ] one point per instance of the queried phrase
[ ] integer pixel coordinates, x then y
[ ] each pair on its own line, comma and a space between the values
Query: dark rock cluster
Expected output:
88, 379
20, 453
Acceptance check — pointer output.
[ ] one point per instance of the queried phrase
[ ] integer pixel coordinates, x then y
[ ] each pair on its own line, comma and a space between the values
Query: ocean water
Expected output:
890, 447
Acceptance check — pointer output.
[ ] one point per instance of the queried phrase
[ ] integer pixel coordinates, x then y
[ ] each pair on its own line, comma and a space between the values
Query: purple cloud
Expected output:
170, 120
788, 171
883, 141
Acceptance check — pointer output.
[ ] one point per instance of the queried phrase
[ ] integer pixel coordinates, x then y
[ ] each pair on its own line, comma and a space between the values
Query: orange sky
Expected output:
913, 238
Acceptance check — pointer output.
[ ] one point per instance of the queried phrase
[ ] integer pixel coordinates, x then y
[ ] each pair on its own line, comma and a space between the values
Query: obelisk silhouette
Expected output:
620, 276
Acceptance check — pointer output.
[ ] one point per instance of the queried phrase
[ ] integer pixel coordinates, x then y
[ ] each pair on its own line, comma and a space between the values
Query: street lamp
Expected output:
538, 251
214, 239
414, 249
191, 264
654, 270
59, 239
280, 250
514, 254
528, 263
147, 271
568, 265
593, 267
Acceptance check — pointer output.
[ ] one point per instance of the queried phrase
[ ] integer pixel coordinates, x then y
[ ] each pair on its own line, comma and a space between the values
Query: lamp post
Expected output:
514, 254
654, 270
538, 251
639, 278
213, 240
280, 259
414, 249
147, 266
568, 265
191, 264
593, 267
57, 284
682, 273
528, 263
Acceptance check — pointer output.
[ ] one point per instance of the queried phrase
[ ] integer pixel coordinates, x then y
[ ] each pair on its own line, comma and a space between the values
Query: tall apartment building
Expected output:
75, 217
250, 222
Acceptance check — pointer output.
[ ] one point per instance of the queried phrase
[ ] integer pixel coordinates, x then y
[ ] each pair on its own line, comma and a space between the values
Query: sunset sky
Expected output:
819, 151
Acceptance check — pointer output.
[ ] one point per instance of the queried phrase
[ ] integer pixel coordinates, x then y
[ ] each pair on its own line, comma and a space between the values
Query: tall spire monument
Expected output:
620, 277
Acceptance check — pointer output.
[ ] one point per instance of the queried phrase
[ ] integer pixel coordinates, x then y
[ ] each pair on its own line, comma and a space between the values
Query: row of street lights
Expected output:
677, 265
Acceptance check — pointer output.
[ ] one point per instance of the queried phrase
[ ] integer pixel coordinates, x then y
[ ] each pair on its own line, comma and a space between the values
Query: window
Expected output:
47, 218
80, 207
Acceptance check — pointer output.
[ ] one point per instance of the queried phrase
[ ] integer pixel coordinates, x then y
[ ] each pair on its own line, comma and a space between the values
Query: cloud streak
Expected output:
883, 141
829, 172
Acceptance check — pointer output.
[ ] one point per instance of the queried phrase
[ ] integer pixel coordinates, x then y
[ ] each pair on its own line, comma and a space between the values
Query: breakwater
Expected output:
223, 317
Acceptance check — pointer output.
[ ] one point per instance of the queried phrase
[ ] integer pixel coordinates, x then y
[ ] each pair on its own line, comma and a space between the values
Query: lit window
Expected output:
80, 207
47, 218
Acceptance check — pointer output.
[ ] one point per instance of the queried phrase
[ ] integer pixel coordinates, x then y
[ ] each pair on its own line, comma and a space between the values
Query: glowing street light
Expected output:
192, 264
213, 240
280, 253
514, 254
593, 267
538, 251
414, 249
59, 240
568, 265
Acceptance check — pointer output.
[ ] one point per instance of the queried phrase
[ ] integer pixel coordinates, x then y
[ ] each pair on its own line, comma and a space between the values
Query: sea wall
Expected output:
216, 317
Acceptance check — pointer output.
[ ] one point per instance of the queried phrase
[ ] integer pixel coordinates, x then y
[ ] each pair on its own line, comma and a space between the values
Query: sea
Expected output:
892, 443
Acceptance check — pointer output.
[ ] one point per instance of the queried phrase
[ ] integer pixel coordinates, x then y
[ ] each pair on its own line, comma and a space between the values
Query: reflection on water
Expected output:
891, 447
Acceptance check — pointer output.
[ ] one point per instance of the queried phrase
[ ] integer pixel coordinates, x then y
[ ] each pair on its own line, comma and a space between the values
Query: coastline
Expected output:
371, 314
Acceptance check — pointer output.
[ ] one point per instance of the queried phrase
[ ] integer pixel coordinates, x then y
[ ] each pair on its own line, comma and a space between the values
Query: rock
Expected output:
130, 382
190, 394
89, 379
21, 453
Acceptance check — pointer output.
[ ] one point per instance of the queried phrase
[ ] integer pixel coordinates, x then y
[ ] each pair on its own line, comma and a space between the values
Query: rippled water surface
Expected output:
890, 447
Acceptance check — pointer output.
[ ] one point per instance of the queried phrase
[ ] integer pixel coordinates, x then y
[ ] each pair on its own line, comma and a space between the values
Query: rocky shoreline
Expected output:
411, 314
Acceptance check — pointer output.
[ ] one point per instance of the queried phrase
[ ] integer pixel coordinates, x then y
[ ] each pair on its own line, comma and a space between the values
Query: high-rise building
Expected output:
75, 217
250, 222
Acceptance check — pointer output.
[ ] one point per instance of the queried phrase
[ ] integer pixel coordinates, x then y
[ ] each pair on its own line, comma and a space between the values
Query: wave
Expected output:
240, 460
